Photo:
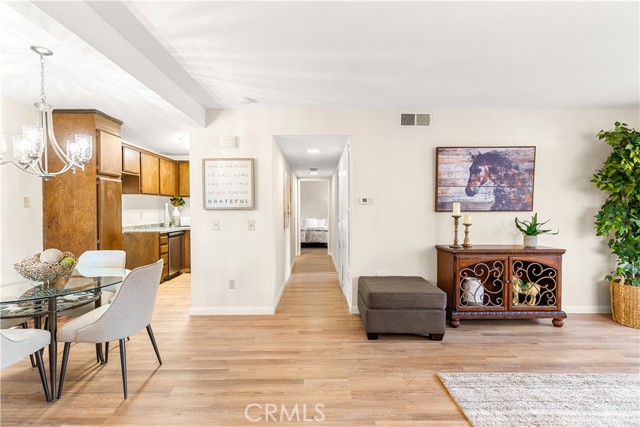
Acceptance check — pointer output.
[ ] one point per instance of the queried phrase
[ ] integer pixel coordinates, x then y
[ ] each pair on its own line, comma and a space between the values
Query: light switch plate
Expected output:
252, 225
216, 225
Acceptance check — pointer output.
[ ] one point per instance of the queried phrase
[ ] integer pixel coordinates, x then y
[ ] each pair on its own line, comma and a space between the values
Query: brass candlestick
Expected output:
455, 245
467, 242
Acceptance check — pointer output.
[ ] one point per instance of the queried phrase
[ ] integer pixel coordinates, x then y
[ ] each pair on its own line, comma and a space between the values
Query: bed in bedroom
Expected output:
314, 232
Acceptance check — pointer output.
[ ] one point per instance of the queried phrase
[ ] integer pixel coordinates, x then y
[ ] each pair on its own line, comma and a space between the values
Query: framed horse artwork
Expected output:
485, 178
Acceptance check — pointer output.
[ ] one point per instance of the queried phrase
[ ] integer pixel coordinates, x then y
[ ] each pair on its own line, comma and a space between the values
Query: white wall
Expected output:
20, 227
142, 209
396, 166
314, 199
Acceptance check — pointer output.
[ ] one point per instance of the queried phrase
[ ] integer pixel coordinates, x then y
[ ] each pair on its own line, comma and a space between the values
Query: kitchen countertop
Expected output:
152, 228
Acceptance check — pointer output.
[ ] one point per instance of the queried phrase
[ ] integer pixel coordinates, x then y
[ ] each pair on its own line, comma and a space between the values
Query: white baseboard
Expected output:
354, 309
225, 311
587, 309
276, 301
335, 266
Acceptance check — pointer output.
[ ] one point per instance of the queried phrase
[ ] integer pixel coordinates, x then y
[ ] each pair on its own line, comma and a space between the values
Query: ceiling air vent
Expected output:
415, 119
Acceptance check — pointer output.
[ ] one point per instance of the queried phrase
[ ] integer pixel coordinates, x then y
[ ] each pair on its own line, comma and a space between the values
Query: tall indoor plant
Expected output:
619, 219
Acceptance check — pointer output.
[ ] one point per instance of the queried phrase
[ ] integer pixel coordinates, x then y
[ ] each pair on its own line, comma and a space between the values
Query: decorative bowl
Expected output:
48, 273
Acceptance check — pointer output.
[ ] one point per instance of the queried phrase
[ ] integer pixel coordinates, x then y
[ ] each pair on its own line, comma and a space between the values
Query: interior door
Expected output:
109, 213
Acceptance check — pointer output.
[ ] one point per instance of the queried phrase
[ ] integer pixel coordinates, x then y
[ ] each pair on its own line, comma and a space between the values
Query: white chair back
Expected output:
96, 259
16, 344
131, 309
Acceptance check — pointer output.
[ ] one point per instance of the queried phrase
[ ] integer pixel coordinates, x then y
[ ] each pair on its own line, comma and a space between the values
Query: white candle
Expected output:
456, 208
466, 219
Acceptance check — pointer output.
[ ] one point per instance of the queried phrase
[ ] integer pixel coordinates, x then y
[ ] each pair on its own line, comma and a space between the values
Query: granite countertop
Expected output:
153, 228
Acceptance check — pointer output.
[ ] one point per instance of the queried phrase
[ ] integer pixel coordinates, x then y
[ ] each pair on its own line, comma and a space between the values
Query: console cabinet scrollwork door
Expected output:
535, 283
482, 284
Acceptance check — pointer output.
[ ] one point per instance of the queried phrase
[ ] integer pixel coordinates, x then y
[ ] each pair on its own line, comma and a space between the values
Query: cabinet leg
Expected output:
436, 337
557, 322
454, 323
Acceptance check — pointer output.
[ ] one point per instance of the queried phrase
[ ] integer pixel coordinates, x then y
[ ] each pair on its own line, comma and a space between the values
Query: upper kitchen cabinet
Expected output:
183, 179
168, 177
78, 207
130, 160
149, 174
109, 154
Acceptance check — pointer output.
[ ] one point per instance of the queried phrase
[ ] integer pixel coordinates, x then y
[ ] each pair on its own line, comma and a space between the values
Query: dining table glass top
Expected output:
26, 296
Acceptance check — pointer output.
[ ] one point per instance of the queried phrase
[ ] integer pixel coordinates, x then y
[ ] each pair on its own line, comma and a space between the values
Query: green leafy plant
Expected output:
533, 227
619, 217
177, 201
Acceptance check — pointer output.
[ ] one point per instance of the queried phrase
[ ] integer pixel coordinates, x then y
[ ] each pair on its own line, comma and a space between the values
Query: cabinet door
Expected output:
109, 154
149, 174
186, 252
109, 213
130, 160
168, 177
183, 179
536, 283
480, 283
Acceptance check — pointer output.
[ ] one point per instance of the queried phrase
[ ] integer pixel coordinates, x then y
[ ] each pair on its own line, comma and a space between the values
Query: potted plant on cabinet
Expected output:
619, 219
532, 229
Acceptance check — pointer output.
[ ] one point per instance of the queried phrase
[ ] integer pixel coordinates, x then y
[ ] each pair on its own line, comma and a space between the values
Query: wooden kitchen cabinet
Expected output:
109, 154
183, 179
186, 252
149, 174
168, 177
142, 248
501, 282
82, 211
130, 160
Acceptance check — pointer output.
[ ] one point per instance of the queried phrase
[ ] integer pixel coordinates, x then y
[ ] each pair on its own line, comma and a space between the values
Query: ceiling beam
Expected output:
113, 31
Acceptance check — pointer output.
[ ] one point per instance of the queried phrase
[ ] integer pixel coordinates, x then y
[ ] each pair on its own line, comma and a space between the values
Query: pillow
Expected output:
311, 222
323, 223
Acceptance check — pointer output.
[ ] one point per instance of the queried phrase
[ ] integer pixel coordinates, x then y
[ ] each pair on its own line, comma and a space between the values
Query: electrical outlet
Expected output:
216, 225
232, 283
252, 225
25, 202
141, 214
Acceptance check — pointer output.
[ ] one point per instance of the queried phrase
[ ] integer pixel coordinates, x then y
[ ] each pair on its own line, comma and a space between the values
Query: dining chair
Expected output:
99, 259
130, 312
18, 321
16, 344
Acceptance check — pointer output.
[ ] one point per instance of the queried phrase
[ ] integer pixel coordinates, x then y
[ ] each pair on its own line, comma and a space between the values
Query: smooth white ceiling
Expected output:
432, 55
413, 55
294, 148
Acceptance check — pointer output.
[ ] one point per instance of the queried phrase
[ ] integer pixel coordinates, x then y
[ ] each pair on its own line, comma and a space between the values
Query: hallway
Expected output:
232, 370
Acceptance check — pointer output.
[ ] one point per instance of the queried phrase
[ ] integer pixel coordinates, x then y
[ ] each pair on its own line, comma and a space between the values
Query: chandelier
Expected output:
31, 150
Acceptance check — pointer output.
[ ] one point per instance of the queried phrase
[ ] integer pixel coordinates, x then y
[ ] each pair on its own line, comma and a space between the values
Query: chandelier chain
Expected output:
42, 94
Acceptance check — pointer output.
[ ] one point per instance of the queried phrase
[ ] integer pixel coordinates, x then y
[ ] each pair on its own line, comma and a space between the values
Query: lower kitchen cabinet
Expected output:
174, 248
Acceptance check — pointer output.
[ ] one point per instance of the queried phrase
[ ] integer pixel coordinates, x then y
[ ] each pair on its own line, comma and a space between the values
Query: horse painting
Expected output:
497, 179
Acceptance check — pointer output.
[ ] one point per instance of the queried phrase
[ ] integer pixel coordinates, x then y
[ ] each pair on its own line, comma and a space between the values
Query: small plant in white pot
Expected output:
532, 229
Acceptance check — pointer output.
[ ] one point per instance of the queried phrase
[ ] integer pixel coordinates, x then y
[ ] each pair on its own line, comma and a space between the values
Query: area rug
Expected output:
546, 400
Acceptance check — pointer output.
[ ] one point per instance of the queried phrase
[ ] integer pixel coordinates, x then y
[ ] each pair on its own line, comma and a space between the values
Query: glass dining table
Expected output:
27, 299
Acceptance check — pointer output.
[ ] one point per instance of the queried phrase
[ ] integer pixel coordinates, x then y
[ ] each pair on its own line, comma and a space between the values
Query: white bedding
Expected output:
314, 230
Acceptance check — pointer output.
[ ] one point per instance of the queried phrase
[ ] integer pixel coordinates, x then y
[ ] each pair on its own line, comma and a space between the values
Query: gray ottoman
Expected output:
401, 305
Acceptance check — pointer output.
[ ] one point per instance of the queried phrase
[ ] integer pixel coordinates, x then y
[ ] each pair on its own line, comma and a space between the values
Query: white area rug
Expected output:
546, 400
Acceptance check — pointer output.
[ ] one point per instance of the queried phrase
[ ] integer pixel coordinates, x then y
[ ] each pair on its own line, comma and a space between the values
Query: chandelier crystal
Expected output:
31, 149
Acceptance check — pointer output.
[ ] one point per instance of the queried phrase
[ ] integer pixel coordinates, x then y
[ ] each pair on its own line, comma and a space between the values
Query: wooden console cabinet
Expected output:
501, 282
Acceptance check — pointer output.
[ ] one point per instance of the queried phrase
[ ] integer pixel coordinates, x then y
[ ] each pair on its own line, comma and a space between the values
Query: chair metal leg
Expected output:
99, 355
106, 352
33, 361
123, 364
43, 375
153, 342
63, 370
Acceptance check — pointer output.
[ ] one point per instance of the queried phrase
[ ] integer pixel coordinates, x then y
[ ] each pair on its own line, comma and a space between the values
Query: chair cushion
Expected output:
69, 331
400, 292
16, 344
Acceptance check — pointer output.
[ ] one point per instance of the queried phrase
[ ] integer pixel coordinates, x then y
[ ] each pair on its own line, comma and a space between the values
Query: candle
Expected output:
467, 219
456, 208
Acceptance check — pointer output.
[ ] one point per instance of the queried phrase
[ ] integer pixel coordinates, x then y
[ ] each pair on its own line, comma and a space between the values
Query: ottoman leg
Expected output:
372, 336
436, 337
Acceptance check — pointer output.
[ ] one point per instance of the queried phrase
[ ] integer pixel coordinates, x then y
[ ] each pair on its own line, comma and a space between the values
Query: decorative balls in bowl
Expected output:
51, 267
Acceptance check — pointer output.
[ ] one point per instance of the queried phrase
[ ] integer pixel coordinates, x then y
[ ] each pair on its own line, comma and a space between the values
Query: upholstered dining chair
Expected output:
16, 344
130, 312
98, 259
18, 321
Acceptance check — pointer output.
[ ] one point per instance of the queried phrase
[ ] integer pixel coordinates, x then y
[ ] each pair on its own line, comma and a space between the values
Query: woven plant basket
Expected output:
625, 303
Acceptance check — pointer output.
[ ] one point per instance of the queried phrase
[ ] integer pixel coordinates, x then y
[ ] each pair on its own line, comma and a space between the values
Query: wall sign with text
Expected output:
228, 183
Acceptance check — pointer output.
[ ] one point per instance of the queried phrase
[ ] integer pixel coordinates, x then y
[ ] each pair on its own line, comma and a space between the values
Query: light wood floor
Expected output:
311, 352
